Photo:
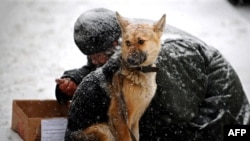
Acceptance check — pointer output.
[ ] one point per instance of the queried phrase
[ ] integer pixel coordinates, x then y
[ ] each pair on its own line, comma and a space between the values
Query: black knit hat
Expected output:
96, 30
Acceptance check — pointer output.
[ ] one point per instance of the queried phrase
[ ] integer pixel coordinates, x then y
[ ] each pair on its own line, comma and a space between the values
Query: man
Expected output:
198, 90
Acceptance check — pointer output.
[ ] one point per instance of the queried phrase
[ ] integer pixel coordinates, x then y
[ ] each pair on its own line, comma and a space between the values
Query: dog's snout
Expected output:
136, 58
133, 61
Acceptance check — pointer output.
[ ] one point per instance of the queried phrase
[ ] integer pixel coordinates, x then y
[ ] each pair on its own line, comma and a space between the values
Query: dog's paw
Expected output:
80, 136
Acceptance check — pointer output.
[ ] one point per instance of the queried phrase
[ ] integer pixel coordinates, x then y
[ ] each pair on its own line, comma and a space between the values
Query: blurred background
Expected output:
36, 40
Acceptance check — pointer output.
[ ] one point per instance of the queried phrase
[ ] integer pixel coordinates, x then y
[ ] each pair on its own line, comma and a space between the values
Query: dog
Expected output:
133, 86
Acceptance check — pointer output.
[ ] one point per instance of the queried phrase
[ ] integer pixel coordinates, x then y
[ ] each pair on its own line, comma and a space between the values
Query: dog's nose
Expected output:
133, 61
136, 58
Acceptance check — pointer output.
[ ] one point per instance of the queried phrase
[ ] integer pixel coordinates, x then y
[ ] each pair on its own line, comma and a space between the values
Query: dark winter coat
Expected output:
198, 92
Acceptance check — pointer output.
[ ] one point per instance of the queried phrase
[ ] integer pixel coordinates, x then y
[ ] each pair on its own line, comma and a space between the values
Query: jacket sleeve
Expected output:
89, 105
225, 101
202, 83
75, 75
91, 100
181, 79
78, 74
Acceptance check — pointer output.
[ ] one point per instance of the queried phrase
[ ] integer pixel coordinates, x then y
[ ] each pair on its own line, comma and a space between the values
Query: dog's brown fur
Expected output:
131, 89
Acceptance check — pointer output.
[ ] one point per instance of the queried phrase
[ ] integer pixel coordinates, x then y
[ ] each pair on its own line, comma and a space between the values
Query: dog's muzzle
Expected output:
136, 58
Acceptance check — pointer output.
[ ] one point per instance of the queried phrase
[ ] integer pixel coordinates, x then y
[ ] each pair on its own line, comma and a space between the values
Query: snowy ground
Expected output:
36, 40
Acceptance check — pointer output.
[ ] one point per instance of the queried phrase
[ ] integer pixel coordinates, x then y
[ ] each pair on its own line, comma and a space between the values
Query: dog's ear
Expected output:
122, 22
160, 25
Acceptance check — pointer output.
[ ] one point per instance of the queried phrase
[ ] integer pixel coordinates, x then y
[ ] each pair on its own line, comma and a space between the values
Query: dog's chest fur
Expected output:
138, 89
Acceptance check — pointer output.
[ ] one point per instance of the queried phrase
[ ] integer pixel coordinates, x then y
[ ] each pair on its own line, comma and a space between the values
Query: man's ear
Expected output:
160, 25
122, 22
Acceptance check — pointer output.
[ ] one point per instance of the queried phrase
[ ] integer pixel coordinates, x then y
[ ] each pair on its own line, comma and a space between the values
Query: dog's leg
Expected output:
117, 120
135, 130
117, 111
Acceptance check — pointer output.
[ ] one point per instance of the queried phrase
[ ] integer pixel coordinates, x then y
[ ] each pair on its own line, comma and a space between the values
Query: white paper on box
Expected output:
53, 129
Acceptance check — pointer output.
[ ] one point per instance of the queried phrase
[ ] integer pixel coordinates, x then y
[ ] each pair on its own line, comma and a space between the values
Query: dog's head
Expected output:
140, 42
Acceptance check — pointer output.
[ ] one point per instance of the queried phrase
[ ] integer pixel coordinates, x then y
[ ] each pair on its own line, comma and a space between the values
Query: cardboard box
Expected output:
27, 116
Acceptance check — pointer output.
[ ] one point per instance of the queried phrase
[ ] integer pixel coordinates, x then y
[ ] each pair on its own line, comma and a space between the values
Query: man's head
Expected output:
100, 58
96, 31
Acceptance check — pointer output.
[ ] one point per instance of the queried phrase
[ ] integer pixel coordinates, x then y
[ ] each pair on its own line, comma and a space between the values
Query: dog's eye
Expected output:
127, 43
141, 42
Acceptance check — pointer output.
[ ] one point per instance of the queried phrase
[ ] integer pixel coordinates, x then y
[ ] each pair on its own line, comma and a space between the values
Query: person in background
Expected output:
198, 91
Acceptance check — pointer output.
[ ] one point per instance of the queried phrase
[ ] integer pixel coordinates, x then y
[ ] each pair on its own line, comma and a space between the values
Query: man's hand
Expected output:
67, 86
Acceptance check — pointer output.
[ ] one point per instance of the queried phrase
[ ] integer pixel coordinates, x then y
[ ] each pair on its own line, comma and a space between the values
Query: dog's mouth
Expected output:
136, 58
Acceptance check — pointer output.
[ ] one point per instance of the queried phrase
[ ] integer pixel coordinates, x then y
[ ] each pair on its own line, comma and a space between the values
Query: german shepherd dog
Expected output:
133, 86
